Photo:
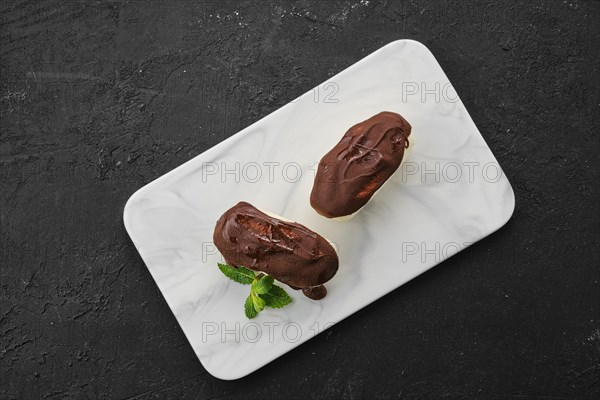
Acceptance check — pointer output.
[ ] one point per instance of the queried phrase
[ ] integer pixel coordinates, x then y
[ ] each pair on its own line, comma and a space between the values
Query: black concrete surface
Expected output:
100, 97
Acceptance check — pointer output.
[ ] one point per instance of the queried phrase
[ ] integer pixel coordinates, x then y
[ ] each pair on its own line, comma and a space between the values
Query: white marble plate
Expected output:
449, 192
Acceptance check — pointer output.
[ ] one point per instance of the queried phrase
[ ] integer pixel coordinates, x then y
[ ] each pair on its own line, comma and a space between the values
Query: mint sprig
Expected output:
263, 292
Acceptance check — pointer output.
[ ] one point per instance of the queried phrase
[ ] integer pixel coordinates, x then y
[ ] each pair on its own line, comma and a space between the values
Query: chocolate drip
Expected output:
288, 251
366, 156
316, 292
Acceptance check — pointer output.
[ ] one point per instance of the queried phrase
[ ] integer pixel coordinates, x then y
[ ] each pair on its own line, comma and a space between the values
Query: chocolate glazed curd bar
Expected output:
289, 252
363, 160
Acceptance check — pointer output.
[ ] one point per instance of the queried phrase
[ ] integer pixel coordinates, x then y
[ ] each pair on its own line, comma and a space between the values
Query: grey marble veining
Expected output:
449, 193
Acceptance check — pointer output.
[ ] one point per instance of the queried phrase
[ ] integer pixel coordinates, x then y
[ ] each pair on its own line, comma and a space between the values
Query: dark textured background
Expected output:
100, 97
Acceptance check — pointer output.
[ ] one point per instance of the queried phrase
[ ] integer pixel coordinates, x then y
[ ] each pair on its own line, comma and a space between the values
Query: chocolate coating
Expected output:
366, 156
288, 251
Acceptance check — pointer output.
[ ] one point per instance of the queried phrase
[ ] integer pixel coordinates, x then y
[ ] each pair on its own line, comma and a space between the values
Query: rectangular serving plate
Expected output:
449, 193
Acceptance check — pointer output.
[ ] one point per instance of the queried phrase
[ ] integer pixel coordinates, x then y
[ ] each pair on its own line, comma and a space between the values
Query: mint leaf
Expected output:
262, 285
263, 293
249, 308
276, 297
259, 304
241, 275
